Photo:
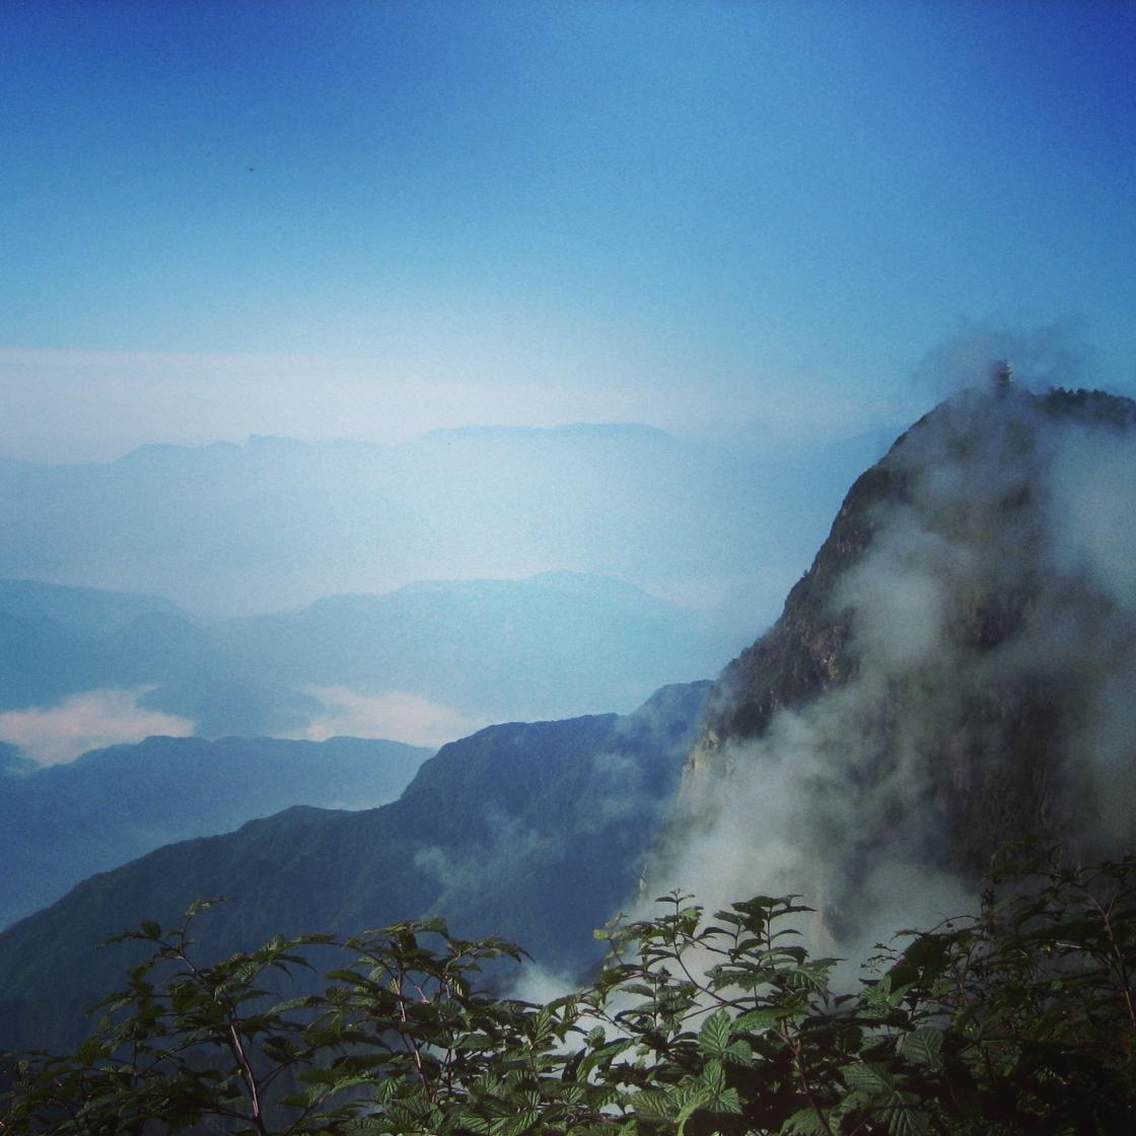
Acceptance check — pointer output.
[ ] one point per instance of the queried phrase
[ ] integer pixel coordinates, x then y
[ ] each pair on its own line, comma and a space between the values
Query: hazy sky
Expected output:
365, 219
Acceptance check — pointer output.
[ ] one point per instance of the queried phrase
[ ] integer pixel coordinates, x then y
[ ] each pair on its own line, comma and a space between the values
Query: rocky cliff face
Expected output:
953, 672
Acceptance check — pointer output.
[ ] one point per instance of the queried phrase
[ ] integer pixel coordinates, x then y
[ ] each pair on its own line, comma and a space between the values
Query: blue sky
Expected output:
364, 219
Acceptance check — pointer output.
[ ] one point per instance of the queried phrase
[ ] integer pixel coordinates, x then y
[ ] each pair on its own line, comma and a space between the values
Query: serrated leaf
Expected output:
362, 1125
714, 1078
714, 1036
757, 1020
867, 1079
475, 1123
728, 1102
652, 1103
905, 1118
290, 1004
924, 1046
386, 1090
804, 1122
514, 1126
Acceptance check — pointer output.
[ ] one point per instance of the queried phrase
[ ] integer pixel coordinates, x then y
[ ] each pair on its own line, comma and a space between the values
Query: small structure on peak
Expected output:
1002, 375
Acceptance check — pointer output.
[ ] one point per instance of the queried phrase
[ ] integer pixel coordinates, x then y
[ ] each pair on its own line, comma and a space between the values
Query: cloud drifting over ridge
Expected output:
55, 735
1053, 354
993, 625
394, 714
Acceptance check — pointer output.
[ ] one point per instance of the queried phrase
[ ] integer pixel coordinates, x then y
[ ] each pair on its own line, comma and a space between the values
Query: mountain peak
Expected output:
628, 431
968, 471
947, 675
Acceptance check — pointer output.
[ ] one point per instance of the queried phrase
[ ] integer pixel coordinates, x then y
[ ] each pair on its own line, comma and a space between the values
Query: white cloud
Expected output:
55, 735
998, 579
394, 714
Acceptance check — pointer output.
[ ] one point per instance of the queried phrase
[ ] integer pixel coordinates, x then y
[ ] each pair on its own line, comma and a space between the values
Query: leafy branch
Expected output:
1016, 1020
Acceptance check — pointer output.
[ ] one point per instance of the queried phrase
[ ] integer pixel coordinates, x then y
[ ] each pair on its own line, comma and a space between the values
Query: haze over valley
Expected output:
503, 463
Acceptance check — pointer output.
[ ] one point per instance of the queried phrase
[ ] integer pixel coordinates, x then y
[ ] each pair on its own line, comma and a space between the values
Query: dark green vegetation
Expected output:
552, 646
1018, 1021
61, 824
534, 830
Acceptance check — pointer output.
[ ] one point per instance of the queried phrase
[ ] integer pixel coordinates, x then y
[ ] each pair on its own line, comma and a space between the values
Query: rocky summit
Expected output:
949, 675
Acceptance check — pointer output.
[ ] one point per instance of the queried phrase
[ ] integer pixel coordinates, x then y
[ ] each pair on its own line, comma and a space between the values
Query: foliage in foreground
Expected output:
1020, 1020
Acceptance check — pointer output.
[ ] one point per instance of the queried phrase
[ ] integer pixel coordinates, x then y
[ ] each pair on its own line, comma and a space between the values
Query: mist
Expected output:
58, 734
274, 523
394, 714
984, 686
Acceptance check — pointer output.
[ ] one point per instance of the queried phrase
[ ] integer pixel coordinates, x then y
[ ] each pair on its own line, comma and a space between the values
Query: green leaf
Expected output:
757, 1021
387, 1090
804, 1122
923, 1046
728, 1102
476, 1123
652, 1104
906, 1118
714, 1036
714, 1078
869, 1079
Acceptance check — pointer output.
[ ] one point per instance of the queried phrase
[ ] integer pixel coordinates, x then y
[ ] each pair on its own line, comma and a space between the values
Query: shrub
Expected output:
1018, 1020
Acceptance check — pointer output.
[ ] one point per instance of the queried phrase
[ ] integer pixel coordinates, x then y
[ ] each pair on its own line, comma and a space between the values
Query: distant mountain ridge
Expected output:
610, 430
551, 646
61, 824
545, 647
86, 610
57, 641
531, 830
275, 523
955, 670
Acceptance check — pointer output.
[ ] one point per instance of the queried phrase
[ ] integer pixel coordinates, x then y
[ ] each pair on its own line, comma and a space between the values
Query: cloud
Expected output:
540, 985
1094, 496
58, 734
1049, 355
510, 846
992, 619
394, 714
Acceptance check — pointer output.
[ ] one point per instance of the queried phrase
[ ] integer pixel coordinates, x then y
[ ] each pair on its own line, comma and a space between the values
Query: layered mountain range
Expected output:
534, 831
62, 823
275, 524
458, 654
955, 670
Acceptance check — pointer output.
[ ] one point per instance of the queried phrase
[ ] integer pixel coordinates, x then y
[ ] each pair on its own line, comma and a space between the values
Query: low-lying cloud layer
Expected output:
58, 734
394, 714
